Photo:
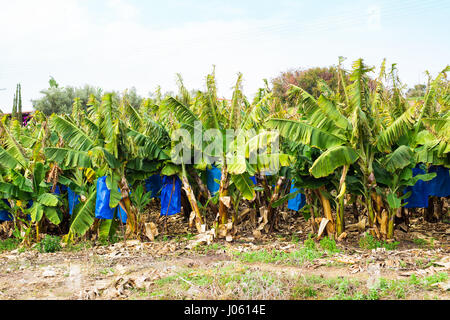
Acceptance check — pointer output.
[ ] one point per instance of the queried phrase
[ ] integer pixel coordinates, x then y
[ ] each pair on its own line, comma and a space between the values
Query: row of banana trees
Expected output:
357, 144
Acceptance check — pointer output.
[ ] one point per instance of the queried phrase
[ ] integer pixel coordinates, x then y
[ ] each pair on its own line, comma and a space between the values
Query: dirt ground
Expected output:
280, 266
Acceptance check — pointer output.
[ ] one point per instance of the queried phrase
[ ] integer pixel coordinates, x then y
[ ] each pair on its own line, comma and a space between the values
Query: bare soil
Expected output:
168, 269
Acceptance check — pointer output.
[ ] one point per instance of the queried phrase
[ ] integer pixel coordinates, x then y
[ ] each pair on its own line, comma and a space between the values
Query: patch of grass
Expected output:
424, 263
435, 278
329, 245
390, 245
302, 292
309, 243
184, 237
349, 289
309, 252
206, 249
339, 288
236, 281
107, 271
295, 238
114, 238
263, 256
185, 278
424, 243
78, 246
50, 244
166, 280
159, 294
188, 277
9, 244
420, 242
164, 238
369, 242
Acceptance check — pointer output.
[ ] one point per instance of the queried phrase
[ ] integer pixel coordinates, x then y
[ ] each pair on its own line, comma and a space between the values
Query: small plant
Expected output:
78, 247
369, 242
184, 237
403, 264
9, 244
329, 245
295, 238
309, 243
435, 278
301, 292
372, 295
50, 244
420, 242
107, 271
390, 245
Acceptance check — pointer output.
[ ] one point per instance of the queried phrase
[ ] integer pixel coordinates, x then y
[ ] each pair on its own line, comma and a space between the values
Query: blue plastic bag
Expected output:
5, 215
121, 214
29, 205
73, 198
254, 180
154, 184
211, 175
102, 209
171, 196
57, 190
298, 202
440, 185
419, 192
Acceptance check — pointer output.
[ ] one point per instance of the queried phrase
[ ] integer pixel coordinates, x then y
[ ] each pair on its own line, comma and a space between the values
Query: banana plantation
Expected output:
362, 153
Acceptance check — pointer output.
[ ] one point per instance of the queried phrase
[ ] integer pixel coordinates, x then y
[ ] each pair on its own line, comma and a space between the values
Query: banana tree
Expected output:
103, 143
430, 140
348, 131
395, 172
24, 175
226, 134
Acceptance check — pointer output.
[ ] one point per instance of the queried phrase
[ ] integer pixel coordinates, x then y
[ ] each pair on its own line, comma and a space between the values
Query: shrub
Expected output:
329, 245
50, 244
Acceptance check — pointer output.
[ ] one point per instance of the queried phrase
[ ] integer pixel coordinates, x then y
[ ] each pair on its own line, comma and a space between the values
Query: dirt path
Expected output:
221, 271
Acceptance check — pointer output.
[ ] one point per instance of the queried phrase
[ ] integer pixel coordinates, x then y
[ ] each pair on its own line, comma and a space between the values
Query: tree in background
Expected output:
17, 104
59, 100
419, 90
14, 108
305, 79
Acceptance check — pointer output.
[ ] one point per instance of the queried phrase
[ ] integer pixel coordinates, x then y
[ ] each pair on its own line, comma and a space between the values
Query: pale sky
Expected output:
118, 44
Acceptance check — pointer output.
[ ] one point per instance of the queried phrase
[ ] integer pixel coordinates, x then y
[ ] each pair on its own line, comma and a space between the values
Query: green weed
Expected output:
369, 242
9, 244
329, 245
50, 244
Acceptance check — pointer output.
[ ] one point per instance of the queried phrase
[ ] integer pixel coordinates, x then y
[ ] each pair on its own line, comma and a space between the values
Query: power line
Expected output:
280, 30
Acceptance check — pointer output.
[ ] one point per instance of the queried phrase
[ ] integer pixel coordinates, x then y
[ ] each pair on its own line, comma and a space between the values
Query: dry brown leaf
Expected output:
257, 234
226, 201
342, 236
151, 231
322, 227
